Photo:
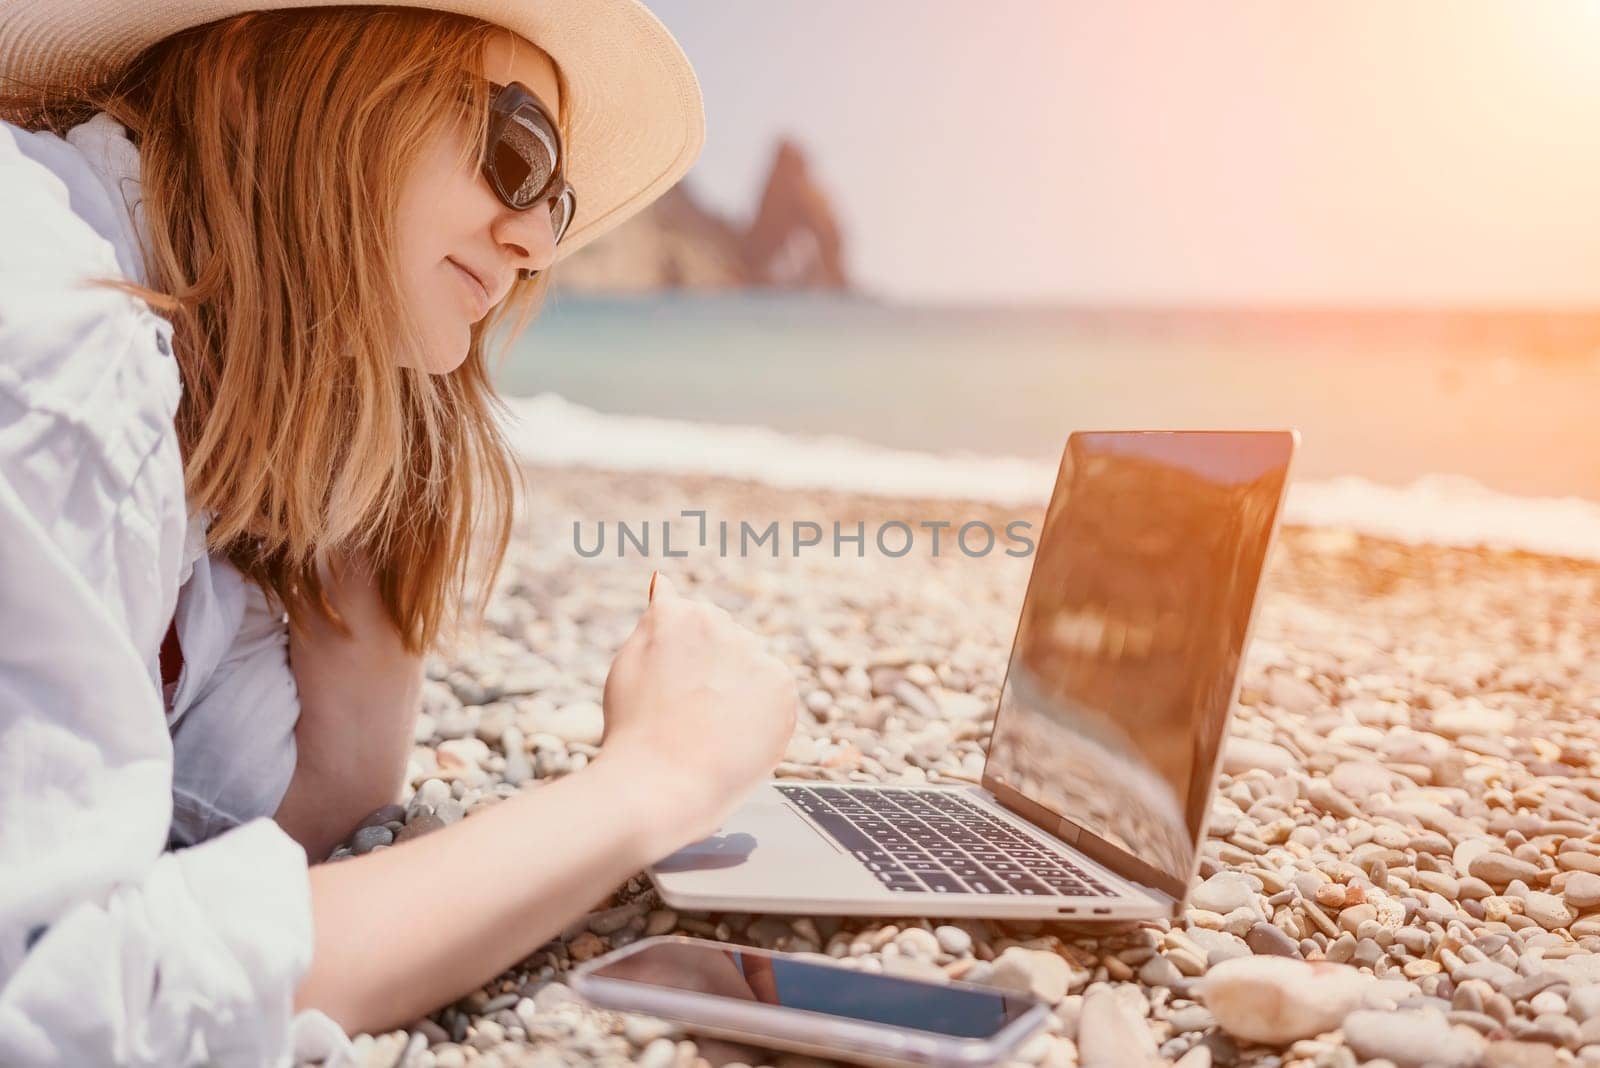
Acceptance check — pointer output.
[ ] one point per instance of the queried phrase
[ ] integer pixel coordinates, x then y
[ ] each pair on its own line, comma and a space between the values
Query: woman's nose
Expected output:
529, 236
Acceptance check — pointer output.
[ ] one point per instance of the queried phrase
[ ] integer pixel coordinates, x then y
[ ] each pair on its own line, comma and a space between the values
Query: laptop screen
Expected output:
1132, 632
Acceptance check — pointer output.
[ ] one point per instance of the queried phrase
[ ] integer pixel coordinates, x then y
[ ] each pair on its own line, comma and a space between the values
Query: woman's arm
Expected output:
510, 877
696, 713
358, 706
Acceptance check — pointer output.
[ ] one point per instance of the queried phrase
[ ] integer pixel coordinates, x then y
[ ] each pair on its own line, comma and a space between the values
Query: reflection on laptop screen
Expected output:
1132, 632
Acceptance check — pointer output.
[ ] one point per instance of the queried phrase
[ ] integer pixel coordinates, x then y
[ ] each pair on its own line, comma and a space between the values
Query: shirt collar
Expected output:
114, 159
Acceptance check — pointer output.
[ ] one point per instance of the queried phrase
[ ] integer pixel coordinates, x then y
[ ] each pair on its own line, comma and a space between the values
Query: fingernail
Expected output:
653, 575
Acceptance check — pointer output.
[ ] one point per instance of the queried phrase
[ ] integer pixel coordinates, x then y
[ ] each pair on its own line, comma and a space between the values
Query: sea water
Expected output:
1451, 427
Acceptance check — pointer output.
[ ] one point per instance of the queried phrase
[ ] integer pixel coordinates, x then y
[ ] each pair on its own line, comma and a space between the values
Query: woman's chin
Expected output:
446, 354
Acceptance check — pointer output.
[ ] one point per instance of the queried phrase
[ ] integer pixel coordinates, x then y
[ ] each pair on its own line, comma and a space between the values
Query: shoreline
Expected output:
549, 431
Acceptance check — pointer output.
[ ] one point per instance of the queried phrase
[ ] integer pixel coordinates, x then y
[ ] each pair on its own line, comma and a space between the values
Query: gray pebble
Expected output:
386, 814
1267, 939
419, 826
368, 838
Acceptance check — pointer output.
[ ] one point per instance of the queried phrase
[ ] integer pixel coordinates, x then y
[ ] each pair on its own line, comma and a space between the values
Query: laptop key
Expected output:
1024, 883
988, 886
943, 883
1057, 879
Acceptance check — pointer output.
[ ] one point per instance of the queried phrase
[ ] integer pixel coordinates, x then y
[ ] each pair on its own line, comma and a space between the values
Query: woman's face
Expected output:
460, 247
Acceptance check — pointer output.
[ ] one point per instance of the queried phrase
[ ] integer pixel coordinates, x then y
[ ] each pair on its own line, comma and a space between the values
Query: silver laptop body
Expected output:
1104, 755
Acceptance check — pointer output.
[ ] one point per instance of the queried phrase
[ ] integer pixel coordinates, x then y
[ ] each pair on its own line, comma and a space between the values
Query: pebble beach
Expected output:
1402, 865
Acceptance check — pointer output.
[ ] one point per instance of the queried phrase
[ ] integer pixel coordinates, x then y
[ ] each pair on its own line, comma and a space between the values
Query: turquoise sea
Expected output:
1511, 400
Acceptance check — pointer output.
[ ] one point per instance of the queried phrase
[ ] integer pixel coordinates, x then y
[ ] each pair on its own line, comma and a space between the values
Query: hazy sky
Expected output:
1308, 151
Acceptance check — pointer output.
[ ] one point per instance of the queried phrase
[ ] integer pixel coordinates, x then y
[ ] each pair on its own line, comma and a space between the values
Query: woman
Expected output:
330, 207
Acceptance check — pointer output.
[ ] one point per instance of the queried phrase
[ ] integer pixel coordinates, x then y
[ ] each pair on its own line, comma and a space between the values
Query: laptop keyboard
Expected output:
916, 841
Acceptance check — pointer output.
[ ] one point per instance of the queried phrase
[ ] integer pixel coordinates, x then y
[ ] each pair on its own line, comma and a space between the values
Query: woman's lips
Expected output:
476, 290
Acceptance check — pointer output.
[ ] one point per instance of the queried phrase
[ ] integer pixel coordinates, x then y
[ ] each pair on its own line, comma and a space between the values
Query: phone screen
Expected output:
832, 990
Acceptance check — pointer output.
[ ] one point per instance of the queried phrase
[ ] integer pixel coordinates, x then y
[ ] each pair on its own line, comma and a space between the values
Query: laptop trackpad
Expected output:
763, 833
708, 854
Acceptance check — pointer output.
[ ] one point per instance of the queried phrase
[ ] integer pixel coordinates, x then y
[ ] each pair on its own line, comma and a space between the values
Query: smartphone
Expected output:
809, 1005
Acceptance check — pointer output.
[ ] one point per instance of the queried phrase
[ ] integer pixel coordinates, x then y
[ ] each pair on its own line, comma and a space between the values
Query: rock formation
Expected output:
793, 242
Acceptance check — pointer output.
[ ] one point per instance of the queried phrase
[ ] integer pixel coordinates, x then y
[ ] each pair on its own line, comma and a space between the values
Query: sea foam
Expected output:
1436, 509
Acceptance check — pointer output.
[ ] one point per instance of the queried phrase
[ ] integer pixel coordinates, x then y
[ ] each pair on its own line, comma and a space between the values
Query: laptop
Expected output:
1103, 758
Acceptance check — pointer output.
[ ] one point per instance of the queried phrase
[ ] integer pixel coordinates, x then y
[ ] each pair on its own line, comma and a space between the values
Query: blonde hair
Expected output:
271, 147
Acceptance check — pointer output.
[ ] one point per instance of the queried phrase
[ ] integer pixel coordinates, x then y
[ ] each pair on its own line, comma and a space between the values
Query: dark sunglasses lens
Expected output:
524, 157
509, 167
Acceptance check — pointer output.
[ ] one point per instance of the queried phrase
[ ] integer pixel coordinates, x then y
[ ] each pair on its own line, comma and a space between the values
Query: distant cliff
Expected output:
793, 242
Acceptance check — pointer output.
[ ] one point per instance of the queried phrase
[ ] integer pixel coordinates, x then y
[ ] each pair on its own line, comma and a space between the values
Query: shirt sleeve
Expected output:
234, 749
112, 951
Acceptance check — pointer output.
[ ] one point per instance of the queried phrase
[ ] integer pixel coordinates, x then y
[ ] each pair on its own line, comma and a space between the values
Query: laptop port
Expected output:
1102, 912
1066, 911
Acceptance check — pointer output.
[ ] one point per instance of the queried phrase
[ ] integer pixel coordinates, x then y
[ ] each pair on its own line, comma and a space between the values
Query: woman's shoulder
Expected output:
50, 189
91, 361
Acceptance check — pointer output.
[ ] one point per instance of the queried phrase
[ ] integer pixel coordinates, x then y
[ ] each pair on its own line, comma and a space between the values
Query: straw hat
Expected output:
635, 117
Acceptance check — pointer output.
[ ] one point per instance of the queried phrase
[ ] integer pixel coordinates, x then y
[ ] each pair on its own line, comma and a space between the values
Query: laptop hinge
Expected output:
1035, 813
1114, 859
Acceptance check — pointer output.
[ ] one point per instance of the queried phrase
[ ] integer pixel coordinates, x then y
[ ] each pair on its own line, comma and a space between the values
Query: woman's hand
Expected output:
695, 707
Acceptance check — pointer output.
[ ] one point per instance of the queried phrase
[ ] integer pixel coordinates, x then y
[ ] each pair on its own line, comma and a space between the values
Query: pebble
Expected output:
1223, 893
1547, 910
1499, 869
1043, 974
1112, 1035
1582, 890
1471, 716
1293, 694
1512, 1054
1159, 971
1219, 946
953, 940
659, 922
1276, 1001
1412, 1039
918, 942
658, 1054
433, 793
643, 1030
585, 945
367, 839
1191, 1018
1362, 778
1266, 939
418, 826
1584, 1003
386, 814
1246, 754
581, 722
1322, 794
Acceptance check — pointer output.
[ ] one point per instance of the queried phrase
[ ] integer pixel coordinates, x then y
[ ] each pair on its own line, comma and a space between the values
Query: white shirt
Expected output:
113, 951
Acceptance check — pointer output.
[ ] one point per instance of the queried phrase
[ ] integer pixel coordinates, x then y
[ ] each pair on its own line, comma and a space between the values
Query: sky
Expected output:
1253, 152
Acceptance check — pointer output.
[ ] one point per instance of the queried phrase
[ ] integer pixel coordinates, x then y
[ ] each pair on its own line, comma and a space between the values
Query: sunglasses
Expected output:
524, 159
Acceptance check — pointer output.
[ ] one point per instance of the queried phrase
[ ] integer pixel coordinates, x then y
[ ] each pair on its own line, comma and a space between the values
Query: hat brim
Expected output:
635, 116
